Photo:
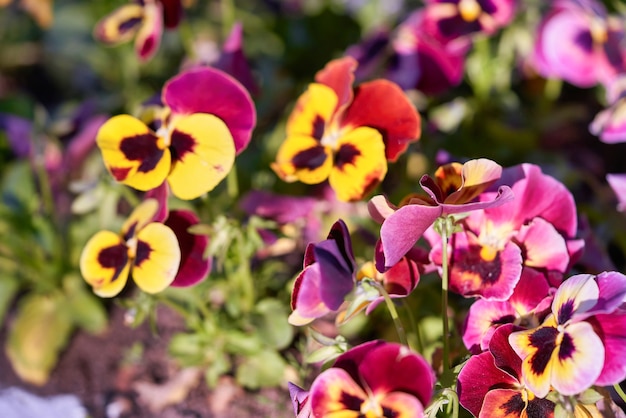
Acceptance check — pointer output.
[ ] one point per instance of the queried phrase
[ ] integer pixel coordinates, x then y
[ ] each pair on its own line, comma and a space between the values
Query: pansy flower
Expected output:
452, 19
346, 135
142, 20
207, 120
536, 229
374, 379
610, 124
581, 342
40, 10
580, 43
300, 400
328, 277
618, 184
145, 249
452, 190
490, 384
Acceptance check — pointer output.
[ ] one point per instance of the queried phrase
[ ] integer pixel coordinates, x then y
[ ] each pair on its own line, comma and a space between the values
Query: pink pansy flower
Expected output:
421, 61
300, 400
580, 43
374, 379
452, 19
610, 124
581, 342
490, 384
452, 190
536, 230
618, 184
328, 277
207, 120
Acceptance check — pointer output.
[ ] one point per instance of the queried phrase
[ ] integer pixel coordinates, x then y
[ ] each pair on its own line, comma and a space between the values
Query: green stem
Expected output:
232, 183
414, 326
228, 16
444, 294
620, 391
394, 313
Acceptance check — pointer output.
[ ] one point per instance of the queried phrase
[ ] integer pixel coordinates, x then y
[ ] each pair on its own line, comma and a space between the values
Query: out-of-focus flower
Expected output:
581, 342
421, 61
300, 401
148, 250
208, 119
580, 43
453, 190
142, 20
328, 277
610, 124
40, 10
536, 229
374, 379
490, 384
618, 184
448, 20
346, 134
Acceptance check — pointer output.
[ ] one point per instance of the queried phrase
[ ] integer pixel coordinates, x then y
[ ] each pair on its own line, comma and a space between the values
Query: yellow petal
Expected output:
313, 111
120, 25
133, 154
104, 263
203, 154
139, 218
360, 163
157, 258
303, 158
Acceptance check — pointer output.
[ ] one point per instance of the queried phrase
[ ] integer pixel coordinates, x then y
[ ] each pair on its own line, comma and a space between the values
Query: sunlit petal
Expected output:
338, 74
334, 393
302, 158
544, 246
157, 258
104, 263
306, 301
312, 112
577, 294
132, 153
401, 405
203, 154
359, 165
503, 403
482, 319
477, 176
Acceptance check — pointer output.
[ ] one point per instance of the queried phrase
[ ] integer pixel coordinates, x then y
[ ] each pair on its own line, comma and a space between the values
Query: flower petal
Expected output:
104, 263
543, 246
482, 319
401, 405
207, 90
477, 176
120, 25
194, 266
306, 301
302, 158
313, 112
612, 329
203, 153
157, 258
141, 216
132, 153
149, 35
382, 105
359, 164
576, 295
339, 75
618, 184
335, 394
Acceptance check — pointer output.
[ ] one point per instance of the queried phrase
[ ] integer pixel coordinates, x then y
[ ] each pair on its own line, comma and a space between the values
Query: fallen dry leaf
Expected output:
158, 396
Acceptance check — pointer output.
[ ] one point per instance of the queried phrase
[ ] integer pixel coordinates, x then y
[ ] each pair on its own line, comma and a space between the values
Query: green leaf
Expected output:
87, 310
238, 342
264, 369
221, 365
270, 320
41, 330
8, 287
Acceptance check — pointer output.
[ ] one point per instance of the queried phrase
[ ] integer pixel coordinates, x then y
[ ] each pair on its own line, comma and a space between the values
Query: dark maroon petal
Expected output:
172, 12
208, 90
194, 266
160, 193
505, 358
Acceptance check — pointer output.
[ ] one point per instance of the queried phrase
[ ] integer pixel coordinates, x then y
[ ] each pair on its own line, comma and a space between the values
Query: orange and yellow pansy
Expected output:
346, 135
145, 249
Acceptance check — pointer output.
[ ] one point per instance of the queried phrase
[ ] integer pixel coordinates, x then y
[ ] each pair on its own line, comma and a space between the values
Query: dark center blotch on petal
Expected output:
143, 252
351, 402
567, 348
346, 154
514, 405
129, 24
310, 158
114, 257
319, 126
181, 144
565, 312
471, 262
544, 340
142, 148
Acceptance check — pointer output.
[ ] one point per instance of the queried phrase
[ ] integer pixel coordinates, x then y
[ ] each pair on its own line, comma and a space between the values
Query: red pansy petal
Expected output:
339, 76
194, 267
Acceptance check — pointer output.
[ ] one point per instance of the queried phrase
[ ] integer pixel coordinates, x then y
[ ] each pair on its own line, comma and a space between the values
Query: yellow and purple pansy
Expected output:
374, 379
142, 20
490, 384
327, 278
453, 190
207, 120
145, 249
346, 135
580, 344
536, 229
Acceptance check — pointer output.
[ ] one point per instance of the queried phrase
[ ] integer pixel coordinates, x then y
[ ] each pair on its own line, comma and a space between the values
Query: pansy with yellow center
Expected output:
376, 379
145, 249
207, 120
346, 135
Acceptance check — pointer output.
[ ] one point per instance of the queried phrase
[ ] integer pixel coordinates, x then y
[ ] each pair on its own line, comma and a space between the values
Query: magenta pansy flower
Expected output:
618, 184
328, 277
610, 124
453, 190
580, 43
536, 230
581, 342
374, 379
490, 384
